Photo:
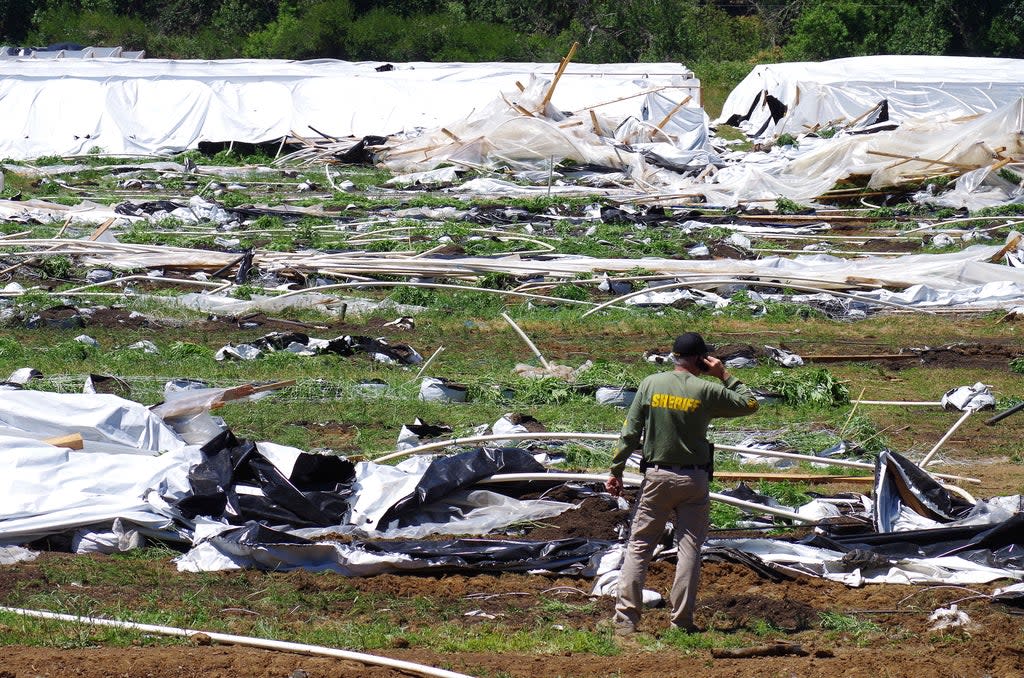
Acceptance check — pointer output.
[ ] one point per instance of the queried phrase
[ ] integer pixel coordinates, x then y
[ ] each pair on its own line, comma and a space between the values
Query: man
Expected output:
672, 411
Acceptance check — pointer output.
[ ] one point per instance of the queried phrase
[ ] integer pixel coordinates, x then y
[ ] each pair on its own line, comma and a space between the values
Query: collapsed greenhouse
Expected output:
678, 222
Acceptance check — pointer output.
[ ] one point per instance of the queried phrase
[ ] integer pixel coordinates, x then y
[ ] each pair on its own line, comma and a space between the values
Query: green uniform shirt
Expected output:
672, 411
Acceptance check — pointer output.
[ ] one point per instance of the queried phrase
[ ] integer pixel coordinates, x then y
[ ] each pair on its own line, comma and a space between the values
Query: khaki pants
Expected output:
682, 497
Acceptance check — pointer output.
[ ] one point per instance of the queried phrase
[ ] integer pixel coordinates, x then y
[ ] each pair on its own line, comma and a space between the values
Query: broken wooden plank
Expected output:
675, 109
929, 161
71, 441
558, 76
102, 228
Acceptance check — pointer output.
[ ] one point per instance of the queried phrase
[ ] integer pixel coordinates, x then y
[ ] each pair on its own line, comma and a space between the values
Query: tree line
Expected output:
686, 31
719, 40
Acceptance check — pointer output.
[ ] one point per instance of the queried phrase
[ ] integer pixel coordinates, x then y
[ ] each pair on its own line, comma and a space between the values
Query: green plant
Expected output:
787, 206
1017, 365
808, 386
861, 631
58, 267
787, 139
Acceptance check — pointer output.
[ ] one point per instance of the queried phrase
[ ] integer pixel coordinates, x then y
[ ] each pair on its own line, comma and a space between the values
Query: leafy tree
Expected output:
828, 30
312, 29
15, 16
1003, 37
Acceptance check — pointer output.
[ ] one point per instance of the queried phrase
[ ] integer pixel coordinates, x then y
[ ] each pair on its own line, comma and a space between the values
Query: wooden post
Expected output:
674, 110
558, 76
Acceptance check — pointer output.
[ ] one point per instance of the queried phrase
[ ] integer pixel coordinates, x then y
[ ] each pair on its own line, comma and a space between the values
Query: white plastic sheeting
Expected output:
828, 564
107, 423
840, 91
917, 148
46, 490
520, 131
158, 106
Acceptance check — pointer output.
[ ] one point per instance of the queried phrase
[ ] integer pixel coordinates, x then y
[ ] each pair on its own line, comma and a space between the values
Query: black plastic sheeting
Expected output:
899, 482
343, 346
478, 555
1000, 546
316, 494
506, 555
446, 475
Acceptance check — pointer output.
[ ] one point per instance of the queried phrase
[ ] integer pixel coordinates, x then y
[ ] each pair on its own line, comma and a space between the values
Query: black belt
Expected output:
679, 469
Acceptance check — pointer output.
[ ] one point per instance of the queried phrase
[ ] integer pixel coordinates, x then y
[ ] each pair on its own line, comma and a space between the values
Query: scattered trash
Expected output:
784, 357
969, 398
618, 396
948, 617
435, 389
145, 345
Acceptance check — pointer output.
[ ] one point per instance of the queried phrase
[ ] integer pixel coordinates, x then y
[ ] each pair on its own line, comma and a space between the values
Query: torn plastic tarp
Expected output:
969, 398
240, 481
296, 342
899, 482
840, 91
47, 490
414, 434
257, 546
855, 564
474, 511
261, 100
441, 477
106, 422
974, 191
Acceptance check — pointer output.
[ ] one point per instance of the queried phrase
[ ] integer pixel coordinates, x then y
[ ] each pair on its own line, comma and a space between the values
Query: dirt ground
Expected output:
733, 600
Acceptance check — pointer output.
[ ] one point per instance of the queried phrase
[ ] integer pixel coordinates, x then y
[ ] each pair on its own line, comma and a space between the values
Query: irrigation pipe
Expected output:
556, 435
770, 280
730, 281
184, 281
825, 460
931, 453
538, 435
429, 360
461, 288
519, 331
915, 403
636, 480
264, 643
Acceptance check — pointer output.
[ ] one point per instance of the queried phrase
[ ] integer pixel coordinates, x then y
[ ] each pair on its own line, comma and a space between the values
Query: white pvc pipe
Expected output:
522, 335
730, 281
931, 453
920, 403
264, 643
440, 286
822, 460
556, 435
539, 435
636, 480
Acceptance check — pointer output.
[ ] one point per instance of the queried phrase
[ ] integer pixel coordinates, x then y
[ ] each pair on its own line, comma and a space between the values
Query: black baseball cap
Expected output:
689, 344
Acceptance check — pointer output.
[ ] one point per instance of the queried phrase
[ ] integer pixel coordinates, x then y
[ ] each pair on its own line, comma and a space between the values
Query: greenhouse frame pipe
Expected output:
636, 480
461, 288
915, 403
537, 435
827, 461
557, 435
264, 643
733, 281
184, 281
931, 453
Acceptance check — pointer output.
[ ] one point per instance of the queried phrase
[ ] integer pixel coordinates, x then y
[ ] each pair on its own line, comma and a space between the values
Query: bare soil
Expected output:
734, 601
